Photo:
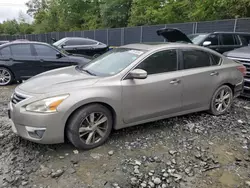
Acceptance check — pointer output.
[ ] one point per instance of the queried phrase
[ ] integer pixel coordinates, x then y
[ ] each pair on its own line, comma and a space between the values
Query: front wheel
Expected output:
90, 126
6, 77
221, 100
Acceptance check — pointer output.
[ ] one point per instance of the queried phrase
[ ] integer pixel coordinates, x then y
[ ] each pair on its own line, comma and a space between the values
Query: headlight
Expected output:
48, 105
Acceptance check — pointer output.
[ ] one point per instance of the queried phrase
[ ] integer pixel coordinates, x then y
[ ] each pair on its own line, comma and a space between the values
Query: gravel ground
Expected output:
196, 150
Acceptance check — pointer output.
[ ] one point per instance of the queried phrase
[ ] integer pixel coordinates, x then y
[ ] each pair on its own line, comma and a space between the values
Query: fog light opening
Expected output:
35, 132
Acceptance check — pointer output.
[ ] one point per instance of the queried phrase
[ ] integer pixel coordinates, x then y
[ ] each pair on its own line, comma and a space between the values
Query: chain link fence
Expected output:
121, 36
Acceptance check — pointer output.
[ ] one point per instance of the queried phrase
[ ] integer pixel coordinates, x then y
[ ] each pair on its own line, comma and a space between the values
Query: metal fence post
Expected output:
196, 27
164, 39
235, 24
107, 36
122, 36
94, 34
141, 38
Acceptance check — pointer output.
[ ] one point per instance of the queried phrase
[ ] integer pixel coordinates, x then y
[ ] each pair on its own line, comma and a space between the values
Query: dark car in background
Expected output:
218, 41
221, 41
79, 45
21, 60
242, 55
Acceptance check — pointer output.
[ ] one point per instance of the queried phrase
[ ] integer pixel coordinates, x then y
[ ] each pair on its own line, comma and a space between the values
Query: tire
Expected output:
83, 118
4, 75
220, 105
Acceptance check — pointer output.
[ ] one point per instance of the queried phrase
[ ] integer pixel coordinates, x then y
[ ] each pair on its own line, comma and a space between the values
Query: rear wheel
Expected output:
221, 100
90, 126
6, 77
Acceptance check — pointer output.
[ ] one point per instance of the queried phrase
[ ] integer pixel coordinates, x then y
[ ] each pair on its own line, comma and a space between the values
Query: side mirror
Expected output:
58, 55
62, 46
138, 74
207, 43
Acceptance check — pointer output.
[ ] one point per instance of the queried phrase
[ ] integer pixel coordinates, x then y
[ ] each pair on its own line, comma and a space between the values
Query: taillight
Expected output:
242, 69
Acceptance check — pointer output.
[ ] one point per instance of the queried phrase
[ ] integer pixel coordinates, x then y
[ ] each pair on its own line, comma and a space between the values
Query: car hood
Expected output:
173, 35
59, 79
83, 58
243, 52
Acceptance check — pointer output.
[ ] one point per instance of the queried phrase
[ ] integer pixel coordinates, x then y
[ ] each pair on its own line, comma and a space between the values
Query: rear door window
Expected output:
227, 39
21, 50
195, 59
45, 51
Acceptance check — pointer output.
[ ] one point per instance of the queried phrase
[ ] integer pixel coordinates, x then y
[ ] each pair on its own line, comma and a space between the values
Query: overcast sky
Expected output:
10, 9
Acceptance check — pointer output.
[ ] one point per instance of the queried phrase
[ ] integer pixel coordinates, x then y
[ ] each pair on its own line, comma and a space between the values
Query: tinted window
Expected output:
245, 39
5, 51
197, 38
214, 39
164, 61
21, 50
227, 39
43, 50
74, 42
195, 59
215, 59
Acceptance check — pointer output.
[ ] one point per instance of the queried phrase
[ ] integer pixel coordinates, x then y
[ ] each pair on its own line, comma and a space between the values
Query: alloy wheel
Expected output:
5, 77
223, 100
93, 128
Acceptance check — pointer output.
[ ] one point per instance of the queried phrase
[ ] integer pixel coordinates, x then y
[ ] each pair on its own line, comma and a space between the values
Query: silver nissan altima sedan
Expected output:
126, 86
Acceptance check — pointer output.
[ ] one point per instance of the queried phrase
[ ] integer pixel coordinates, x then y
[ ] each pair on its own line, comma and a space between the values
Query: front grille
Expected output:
247, 84
16, 98
247, 65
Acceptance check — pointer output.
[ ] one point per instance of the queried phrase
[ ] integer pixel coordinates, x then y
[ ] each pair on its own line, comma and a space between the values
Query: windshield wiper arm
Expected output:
87, 71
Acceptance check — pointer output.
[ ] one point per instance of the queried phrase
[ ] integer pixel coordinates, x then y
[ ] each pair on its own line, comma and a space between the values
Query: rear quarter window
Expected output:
245, 39
215, 59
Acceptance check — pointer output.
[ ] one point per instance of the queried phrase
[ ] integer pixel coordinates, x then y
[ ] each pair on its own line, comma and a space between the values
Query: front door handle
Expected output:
41, 60
214, 74
175, 81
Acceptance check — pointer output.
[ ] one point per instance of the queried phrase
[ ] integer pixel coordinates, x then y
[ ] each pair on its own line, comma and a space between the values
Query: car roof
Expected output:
221, 32
23, 42
77, 38
156, 45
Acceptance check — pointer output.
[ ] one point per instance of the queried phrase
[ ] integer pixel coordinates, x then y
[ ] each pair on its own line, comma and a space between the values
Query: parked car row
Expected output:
126, 86
21, 60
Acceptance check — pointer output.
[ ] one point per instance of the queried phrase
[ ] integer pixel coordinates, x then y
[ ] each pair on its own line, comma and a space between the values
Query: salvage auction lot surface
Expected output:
197, 150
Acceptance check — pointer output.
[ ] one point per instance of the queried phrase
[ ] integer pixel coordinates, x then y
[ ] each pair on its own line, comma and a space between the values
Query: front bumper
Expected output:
36, 127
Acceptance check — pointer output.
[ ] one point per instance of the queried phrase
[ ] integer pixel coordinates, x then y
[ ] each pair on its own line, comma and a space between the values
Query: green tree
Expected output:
10, 27
146, 12
115, 13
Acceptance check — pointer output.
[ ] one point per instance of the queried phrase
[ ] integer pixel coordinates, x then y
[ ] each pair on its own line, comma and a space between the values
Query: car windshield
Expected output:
61, 50
59, 42
112, 62
197, 38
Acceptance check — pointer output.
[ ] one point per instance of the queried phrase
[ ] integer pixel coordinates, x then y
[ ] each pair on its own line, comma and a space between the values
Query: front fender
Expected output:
79, 99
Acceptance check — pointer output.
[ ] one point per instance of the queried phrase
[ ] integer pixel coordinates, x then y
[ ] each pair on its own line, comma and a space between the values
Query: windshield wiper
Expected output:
87, 71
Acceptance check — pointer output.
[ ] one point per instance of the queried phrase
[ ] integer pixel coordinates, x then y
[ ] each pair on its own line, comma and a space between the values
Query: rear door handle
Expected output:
41, 60
214, 74
175, 81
